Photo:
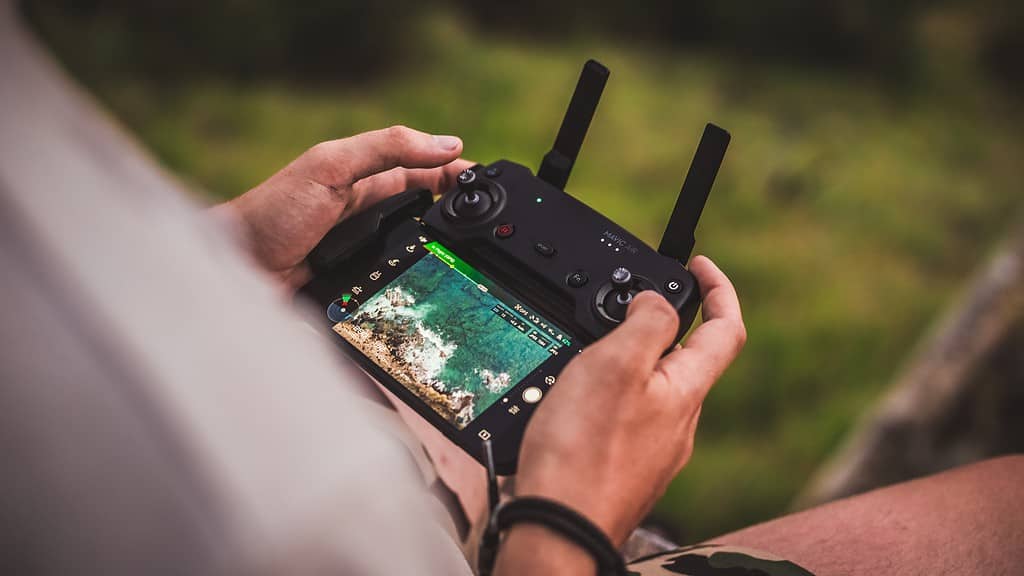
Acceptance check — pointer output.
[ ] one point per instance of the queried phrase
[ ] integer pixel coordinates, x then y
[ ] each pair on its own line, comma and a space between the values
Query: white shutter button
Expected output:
532, 395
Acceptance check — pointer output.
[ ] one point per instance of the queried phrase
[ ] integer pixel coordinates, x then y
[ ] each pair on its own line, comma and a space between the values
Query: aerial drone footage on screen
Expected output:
449, 335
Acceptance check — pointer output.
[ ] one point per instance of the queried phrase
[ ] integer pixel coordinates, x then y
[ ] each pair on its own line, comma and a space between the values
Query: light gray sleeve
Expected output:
165, 410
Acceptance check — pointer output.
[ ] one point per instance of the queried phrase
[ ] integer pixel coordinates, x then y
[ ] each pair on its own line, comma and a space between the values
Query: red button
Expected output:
504, 230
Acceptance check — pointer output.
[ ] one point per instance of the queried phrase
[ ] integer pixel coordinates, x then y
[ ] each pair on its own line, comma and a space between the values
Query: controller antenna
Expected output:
557, 163
678, 240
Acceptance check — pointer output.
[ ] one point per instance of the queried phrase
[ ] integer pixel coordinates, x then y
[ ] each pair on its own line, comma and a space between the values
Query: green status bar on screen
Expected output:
462, 267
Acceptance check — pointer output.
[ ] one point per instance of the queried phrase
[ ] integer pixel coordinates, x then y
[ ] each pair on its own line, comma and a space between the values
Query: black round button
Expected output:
577, 279
504, 230
673, 286
544, 249
492, 172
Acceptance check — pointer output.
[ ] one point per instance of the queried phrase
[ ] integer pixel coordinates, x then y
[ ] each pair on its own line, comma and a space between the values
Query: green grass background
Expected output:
847, 213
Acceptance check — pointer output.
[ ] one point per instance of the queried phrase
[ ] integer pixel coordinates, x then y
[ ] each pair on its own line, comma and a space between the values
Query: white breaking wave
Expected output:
496, 383
427, 354
430, 356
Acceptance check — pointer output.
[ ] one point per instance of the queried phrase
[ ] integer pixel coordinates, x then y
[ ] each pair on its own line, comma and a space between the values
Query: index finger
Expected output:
348, 160
373, 189
713, 345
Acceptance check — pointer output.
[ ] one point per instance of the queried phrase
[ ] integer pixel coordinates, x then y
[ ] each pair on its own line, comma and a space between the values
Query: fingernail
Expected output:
447, 142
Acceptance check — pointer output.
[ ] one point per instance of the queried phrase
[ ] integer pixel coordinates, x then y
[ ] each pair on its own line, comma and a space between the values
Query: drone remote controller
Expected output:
468, 308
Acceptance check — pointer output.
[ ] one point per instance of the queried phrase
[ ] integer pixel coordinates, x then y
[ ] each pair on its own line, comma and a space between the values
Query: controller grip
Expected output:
352, 234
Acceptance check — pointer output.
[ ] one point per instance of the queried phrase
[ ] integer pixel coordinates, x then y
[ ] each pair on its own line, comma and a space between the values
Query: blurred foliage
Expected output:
343, 40
846, 33
236, 40
849, 211
874, 37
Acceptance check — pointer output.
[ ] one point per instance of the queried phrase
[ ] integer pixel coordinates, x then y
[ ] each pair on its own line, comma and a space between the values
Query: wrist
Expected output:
565, 525
598, 510
535, 549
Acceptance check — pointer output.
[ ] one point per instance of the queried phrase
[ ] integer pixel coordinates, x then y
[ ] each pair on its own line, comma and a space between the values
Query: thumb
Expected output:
343, 162
634, 347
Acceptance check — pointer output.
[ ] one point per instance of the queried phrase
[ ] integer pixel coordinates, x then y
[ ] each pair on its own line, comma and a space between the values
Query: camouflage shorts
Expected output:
714, 560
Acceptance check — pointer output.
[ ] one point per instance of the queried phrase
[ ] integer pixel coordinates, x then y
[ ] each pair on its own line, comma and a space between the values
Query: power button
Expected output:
673, 286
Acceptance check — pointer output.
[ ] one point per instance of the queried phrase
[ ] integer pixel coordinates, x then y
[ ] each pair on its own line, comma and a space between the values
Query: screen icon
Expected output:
410, 248
393, 262
357, 290
375, 275
484, 435
549, 379
341, 309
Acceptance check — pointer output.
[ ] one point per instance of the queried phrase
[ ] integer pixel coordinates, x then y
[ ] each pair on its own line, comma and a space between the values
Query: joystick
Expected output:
617, 294
470, 203
622, 281
476, 199
467, 185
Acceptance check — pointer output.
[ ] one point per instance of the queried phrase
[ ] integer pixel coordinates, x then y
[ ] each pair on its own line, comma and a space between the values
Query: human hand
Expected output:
288, 214
620, 422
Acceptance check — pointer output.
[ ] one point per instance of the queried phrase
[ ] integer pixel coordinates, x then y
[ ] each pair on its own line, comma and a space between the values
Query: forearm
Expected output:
534, 549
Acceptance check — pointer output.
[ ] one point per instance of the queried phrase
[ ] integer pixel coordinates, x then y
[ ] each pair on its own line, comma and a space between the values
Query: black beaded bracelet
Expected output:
553, 515
568, 523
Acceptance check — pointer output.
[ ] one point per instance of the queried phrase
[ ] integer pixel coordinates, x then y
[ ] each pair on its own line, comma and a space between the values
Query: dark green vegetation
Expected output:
849, 211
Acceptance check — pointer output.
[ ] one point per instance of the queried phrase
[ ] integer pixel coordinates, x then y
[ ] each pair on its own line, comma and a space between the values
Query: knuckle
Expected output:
328, 161
318, 152
740, 336
398, 134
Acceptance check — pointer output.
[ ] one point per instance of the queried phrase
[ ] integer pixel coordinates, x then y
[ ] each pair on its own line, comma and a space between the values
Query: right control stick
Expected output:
614, 297
622, 282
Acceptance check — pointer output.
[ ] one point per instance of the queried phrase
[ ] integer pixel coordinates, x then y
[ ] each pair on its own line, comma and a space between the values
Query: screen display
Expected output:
448, 334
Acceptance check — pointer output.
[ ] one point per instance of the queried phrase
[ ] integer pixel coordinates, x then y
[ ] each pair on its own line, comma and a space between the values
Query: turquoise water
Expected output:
442, 332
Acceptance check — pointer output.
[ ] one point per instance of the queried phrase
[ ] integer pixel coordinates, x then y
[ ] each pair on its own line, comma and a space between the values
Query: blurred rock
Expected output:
958, 401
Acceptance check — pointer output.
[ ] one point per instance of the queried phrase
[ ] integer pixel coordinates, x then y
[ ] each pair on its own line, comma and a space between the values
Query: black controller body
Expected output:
566, 273
547, 248
558, 252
